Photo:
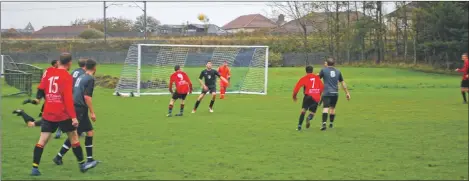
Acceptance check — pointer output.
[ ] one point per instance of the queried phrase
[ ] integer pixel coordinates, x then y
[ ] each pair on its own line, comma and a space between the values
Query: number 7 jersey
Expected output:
312, 86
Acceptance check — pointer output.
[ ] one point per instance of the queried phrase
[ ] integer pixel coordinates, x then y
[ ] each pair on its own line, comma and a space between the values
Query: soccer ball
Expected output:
201, 17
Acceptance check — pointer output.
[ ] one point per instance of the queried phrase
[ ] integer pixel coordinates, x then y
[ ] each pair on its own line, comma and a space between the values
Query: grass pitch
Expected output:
398, 125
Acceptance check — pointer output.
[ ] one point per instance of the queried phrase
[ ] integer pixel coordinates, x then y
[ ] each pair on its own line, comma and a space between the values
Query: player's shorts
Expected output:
210, 90
465, 83
83, 119
50, 127
309, 104
179, 96
329, 101
223, 84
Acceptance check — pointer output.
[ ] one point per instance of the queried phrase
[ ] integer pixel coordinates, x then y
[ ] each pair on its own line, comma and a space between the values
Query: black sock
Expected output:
78, 151
65, 147
89, 148
26, 117
170, 110
310, 117
182, 108
331, 118
211, 103
196, 105
324, 118
38, 123
38, 149
300, 120
464, 96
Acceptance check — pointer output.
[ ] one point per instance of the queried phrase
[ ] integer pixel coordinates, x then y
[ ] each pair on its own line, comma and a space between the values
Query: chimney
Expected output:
280, 20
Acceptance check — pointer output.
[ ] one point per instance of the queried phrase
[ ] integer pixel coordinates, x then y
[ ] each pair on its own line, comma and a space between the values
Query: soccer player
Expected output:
312, 87
82, 96
209, 85
183, 86
58, 112
331, 77
465, 77
225, 72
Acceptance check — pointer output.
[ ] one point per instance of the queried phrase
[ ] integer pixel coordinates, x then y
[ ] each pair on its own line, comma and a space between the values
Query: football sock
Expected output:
38, 123
170, 109
38, 149
310, 117
464, 96
300, 120
65, 147
78, 151
211, 103
324, 118
182, 108
26, 117
331, 118
196, 105
222, 90
89, 148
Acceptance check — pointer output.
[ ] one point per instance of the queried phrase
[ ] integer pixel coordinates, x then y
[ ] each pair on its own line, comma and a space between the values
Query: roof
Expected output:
60, 31
250, 21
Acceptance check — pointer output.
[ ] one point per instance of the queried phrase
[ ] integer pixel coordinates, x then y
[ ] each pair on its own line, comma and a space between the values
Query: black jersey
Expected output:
210, 77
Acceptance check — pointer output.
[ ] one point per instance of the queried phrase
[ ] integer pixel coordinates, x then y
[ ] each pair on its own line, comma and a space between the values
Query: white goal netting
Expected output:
147, 67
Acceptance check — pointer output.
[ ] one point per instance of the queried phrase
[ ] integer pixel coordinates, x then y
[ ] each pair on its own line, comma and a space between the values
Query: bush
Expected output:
275, 59
91, 34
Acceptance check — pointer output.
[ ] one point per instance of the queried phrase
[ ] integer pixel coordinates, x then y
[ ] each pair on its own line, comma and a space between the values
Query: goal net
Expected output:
147, 67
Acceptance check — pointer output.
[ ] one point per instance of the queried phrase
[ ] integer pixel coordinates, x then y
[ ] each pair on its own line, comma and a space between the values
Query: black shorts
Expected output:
50, 127
179, 96
83, 119
210, 90
465, 83
329, 101
309, 104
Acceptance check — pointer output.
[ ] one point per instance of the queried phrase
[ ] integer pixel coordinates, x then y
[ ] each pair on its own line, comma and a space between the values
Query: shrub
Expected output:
91, 34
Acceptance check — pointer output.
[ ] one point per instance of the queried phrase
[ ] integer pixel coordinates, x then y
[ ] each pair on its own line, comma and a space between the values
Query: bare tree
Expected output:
404, 9
348, 31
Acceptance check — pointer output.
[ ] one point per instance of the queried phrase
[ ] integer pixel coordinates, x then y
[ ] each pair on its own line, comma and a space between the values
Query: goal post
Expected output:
147, 67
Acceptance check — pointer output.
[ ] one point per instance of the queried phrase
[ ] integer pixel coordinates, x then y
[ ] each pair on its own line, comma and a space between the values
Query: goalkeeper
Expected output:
209, 85
225, 72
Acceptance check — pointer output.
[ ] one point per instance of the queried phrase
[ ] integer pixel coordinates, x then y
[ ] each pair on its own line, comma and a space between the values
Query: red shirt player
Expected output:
183, 87
465, 77
225, 72
312, 87
58, 112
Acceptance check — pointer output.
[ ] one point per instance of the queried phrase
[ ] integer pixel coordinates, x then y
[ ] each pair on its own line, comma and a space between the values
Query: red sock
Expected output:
222, 90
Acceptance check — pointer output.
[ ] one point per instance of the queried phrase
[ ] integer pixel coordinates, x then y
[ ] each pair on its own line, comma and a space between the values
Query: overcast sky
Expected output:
18, 14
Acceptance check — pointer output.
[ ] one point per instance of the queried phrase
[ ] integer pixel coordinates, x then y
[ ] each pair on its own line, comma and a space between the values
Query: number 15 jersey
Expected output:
312, 86
57, 86
182, 81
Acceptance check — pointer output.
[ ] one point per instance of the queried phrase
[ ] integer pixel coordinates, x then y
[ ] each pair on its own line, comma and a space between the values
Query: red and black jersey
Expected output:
312, 85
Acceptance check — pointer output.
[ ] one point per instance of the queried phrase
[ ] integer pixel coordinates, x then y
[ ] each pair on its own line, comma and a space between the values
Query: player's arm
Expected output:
40, 90
229, 73
68, 97
221, 77
188, 81
201, 76
321, 74
298, 85
344, 86
171, 82
89, 95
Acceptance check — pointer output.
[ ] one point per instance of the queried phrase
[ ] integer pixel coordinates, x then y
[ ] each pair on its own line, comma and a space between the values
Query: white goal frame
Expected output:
139, 67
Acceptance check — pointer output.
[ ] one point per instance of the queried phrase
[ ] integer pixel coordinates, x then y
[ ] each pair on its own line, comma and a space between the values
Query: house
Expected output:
60, 31
169, 30
204, 29
315, 22
249, 23
28, 30
396, 18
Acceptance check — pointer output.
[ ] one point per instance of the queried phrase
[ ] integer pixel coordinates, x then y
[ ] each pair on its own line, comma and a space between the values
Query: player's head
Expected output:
54, 63
309, 69
177, 67
225, 63
209, 64
464, 56
90, 66
330, 62
65, 60
82, 62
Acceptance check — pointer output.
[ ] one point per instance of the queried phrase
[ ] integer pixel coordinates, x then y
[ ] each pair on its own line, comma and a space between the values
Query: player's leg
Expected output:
326, 102
304, 107
174, 97
223, 87
212, 102
199, 99
58, 133
46, 129
72, 134
312, 110
464, 89
181, 110
333, 104
26, 118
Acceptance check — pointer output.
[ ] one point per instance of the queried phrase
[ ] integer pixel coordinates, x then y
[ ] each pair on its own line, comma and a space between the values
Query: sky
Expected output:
18, 14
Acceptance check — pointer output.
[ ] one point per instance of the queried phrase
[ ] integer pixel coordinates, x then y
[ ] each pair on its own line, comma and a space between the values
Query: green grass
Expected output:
399, 125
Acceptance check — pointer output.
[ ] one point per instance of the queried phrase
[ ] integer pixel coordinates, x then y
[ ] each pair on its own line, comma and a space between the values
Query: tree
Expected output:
91, 34
152, 24
113, 24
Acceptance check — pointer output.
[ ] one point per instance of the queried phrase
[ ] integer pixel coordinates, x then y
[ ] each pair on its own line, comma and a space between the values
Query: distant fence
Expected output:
288, 59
